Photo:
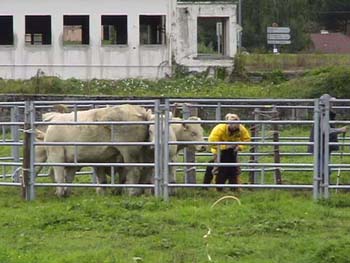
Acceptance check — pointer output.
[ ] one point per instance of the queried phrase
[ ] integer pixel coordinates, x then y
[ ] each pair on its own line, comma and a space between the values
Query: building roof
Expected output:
331, 42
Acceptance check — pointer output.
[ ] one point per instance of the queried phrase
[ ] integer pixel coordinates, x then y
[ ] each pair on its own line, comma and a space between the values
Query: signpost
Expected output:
278, 36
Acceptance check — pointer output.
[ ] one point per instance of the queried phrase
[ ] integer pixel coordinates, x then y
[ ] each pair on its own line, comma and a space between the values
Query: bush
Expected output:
275, 77
332, 80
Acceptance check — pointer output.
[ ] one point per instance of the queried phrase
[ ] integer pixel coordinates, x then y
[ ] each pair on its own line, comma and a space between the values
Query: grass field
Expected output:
269, 226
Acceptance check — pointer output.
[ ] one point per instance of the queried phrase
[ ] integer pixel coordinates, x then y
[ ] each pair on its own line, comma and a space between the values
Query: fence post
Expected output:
324, 109
253, 175
165, 137
276, 148
15, 138
28, 153
190, 157
317, 152
158, 140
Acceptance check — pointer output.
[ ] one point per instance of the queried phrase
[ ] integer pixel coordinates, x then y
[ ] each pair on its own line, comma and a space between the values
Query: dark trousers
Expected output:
229, 174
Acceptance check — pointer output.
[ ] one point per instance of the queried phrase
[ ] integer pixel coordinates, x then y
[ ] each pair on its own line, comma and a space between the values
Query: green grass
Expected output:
268, 62
269, 226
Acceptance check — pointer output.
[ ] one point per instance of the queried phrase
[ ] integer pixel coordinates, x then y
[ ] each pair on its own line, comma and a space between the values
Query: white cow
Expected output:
40, 132
40, 150
189, 132
177, 132
97, 133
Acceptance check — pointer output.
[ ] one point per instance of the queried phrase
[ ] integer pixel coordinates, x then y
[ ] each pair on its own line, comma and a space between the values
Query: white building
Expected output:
113, 39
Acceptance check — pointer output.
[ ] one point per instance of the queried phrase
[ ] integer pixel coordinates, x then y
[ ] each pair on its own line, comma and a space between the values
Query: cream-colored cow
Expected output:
177, 132
97, 133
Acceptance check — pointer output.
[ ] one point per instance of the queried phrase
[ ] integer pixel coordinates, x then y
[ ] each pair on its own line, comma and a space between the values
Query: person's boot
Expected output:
237, 180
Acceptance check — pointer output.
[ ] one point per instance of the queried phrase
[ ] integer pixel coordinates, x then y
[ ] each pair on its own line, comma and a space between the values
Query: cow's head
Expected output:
151, 129
193, 132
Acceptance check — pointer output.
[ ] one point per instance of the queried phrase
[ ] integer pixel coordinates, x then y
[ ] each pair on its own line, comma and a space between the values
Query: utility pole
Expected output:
240, 23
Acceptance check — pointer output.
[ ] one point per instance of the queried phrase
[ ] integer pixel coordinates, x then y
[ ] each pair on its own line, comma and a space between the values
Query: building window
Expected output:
211, 35
6, 30
152, 30
76, 30
38, 30
114, 30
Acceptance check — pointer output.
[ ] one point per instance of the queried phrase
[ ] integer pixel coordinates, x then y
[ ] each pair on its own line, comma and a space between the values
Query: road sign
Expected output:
278, 36
278, 42
285, 30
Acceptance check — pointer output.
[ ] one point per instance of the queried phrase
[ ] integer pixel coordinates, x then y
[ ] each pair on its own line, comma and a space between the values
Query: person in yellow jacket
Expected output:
223, 132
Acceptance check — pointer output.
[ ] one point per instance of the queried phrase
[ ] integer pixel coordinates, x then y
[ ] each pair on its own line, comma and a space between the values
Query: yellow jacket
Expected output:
220, 133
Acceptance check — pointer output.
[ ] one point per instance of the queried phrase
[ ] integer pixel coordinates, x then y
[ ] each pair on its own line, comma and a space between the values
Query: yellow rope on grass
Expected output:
206, 236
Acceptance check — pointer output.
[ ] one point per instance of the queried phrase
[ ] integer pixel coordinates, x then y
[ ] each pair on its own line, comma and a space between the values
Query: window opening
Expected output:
76, 30
38, 30
6, 30
211, 35
152, 30
114, 30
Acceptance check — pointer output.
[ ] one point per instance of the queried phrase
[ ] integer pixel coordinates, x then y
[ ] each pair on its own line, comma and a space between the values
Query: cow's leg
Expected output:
59, 178
172, 169
172, 177
51, 174
132, 174
40, 157
101, 179
121, 174
147, 177
56, 155
69, 178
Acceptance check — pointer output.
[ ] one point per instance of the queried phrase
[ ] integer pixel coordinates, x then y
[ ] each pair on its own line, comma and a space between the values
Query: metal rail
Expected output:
162, 144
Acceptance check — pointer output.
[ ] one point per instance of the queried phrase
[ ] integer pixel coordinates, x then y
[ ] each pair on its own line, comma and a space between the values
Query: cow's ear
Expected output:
39, 135
149, 116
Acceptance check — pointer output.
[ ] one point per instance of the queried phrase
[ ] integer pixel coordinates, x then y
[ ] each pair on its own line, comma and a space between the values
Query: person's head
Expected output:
329, 98
232, 117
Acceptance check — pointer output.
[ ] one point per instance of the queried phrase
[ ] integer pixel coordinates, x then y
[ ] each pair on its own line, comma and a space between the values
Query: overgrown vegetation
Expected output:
290, 62
334, 80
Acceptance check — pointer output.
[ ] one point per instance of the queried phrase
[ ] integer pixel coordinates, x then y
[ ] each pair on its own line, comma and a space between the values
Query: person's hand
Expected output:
215, 171
344, 129
235, 147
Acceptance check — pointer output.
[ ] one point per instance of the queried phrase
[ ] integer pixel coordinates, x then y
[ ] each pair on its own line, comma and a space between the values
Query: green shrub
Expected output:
333, 80
275, 77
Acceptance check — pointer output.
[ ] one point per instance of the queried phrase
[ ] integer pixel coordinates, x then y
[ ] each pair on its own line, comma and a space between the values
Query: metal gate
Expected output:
275, 160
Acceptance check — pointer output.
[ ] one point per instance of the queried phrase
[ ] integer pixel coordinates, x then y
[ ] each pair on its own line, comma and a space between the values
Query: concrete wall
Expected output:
90, 61
132, 60
186, 30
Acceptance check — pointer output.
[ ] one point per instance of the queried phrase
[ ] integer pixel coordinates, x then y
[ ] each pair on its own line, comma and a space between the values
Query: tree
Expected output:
335, 15
299, 15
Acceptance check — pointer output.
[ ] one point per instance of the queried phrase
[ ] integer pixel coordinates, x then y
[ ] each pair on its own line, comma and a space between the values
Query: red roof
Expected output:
331, 43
